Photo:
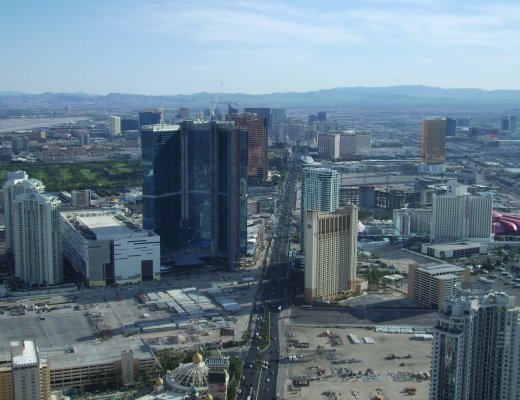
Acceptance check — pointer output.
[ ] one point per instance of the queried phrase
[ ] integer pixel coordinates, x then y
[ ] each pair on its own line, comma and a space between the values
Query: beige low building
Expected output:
431, 285
330, 253
87, 365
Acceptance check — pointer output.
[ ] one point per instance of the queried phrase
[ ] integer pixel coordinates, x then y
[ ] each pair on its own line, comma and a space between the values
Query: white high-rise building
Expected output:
458, 215
476, 347
17, 182
330, 253
320, 192
114, 125
38, 255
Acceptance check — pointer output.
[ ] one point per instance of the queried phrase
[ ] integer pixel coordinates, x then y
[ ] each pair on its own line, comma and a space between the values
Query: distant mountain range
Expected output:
337, 97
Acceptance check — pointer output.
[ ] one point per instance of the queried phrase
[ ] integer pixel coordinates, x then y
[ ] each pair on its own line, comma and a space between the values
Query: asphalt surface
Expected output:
364, 316
261, 363
56, 330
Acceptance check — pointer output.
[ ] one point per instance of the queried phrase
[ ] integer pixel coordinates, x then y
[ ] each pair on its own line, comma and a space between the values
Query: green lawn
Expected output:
106, 176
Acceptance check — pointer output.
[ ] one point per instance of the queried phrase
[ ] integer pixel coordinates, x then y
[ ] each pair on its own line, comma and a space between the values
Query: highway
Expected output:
261, 361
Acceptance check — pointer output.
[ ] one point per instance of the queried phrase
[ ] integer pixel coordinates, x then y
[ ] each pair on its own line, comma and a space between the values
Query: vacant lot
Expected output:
325, 364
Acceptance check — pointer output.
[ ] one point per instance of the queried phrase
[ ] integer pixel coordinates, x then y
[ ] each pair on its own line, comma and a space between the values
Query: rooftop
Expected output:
447, 277
454, 246
160, 127
440, 269
23, 353
95, 354
104, 224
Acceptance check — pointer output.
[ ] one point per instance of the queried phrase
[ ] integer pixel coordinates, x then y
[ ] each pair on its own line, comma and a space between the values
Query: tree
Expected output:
374, 277
487, 264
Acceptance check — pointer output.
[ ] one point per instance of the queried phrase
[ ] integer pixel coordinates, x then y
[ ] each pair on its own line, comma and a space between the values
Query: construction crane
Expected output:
213, 105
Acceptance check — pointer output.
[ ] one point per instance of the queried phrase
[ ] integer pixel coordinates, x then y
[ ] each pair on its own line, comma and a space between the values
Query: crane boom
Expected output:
213, 105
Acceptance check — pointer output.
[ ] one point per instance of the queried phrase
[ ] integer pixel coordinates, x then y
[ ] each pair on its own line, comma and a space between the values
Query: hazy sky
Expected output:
264, 46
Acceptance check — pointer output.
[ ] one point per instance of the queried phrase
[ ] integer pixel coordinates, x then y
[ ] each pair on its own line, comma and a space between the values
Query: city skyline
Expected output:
265, 47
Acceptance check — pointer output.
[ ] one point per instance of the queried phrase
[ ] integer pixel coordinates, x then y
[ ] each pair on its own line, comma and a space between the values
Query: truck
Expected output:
393, 356
410, 390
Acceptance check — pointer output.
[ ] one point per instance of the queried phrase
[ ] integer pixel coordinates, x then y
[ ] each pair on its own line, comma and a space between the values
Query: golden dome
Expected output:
197, 358
208, 397
159, 381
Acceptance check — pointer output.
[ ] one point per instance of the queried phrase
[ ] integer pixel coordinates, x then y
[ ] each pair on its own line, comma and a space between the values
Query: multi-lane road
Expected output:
261, 361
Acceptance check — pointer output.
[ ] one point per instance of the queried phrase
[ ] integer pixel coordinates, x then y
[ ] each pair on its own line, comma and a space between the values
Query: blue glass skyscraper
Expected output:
194, 190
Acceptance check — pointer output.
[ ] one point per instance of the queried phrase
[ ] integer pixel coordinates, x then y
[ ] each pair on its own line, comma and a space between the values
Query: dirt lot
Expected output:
325, 365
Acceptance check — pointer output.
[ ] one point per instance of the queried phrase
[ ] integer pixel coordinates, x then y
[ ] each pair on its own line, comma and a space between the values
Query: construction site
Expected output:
343, 363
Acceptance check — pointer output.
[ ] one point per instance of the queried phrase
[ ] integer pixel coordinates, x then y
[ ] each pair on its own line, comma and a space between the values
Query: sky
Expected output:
168, 47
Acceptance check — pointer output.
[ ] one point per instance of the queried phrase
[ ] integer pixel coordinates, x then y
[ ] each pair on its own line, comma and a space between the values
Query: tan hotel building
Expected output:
330, 253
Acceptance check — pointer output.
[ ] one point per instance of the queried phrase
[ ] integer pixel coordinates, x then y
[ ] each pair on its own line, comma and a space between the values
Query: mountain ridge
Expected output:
339, 96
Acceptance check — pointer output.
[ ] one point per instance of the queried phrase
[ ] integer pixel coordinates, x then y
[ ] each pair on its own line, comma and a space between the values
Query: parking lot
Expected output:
62, 320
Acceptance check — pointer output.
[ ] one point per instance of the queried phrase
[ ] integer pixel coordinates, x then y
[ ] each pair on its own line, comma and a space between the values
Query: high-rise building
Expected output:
311, 119
458, 215
37, 238
451, 127
329, 145
342, 144
401, 219
26, 376
508, 124
128, 370
129, 124
19, 144
81, 198
330, 253
261, 112
17, 182
326, 126
476, 347
321, 116
504, 124
411, 221
289, 131
433, 151
320, 192
256, 144
184, 113
278, 115
463, 122
114, 125
194, 189
431, 285
151, 116
84, 139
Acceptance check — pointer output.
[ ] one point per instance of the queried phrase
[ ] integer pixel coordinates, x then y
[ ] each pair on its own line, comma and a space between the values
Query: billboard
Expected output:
217, 362
227, 332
